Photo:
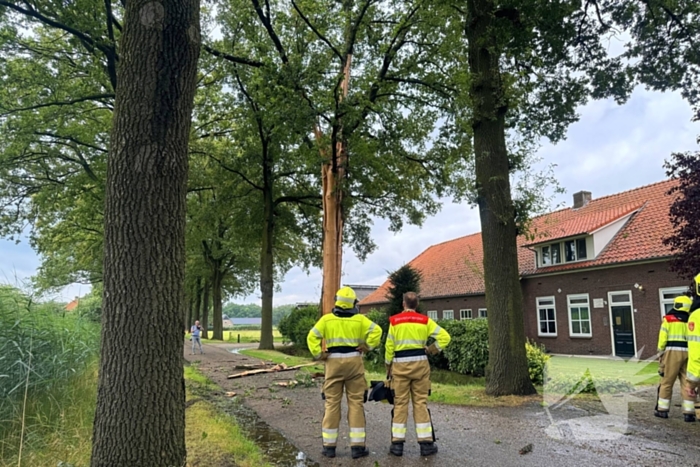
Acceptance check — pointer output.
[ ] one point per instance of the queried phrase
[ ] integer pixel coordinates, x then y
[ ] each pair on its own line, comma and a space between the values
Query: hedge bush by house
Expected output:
586, 384
296, 325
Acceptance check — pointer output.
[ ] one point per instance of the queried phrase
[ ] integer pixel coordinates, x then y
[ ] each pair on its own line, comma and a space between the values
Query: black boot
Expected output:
328, 451
396, 449
689, 417
660, 414
428, 449
359, 451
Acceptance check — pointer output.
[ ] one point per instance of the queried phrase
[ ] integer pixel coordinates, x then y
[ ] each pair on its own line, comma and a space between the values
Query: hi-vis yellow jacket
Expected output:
408, 334
693, 371
674, 330
343, 334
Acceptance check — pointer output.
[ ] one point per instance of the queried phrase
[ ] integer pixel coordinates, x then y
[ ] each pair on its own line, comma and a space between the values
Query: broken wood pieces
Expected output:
274, 369
230, 394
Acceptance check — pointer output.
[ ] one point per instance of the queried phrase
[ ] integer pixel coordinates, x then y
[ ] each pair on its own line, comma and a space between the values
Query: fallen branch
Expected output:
274, 369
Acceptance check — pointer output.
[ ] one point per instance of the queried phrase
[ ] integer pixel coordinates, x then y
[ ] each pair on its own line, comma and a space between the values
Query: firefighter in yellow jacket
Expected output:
674, 346
409, 372
693, 372
347, 334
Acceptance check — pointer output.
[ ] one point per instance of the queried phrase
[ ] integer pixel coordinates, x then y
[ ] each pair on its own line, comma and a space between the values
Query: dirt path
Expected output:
466, 436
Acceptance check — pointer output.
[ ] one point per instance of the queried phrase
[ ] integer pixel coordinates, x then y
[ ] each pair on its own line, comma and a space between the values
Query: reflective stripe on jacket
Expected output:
693, 337
343, 333
408, 334
674, 329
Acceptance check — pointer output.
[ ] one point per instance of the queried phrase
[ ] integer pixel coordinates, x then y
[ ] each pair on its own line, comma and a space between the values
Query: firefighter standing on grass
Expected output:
674, 346
347, 334
693, 373
409, 372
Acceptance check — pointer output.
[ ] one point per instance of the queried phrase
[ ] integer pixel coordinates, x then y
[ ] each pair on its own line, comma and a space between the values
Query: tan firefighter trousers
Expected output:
411, 381
343, 371
675, 362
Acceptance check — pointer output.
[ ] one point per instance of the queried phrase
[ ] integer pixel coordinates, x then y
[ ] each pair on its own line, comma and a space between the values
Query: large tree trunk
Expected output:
217, 318
140, 414
205, 310
267, 262
333, 173
507, 371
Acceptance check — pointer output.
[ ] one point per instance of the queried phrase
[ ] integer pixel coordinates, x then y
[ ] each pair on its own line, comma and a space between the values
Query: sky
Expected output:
610, 149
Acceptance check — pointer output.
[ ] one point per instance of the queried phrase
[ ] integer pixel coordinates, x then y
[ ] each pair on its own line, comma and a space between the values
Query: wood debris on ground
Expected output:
274, 369
230, 394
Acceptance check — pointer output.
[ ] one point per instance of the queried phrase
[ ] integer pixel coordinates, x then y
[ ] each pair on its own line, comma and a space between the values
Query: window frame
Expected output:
680, 289
432, 314
485, 314
446, 311
569, 305
465, 316
560, 246
539, 307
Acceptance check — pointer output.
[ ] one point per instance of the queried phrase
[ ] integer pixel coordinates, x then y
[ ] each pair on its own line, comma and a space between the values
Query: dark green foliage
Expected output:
468, 352
685, 240
296, 325
405, 279
376, 357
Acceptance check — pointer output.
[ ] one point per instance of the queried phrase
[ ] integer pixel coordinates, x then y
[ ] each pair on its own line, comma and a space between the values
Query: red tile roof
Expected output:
455, 267
73, 305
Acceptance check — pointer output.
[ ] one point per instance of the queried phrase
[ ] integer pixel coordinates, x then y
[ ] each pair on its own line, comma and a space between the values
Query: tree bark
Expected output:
217, 308
205, 310
197, 301
267, 257
140, 414
507, 371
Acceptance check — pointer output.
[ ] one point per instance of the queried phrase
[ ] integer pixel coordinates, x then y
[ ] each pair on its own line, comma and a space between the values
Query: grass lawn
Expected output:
638, 373
248, 336
213, 438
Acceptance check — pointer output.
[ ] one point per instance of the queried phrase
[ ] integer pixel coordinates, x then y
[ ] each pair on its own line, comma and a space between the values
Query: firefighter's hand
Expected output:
691, 392
362, 348
432, 350
388, 372
322, 357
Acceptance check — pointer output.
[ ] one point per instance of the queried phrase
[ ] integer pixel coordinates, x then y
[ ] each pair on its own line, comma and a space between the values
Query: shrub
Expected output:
376, 356
468, 352
296, 325
537, 359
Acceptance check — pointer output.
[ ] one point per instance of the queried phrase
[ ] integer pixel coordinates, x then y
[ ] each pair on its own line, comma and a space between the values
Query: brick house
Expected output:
595, 277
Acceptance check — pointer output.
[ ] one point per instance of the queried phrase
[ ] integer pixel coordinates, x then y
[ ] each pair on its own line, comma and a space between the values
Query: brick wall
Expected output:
473, 302
646, 306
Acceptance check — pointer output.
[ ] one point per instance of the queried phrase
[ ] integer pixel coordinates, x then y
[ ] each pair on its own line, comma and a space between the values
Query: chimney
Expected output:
582, 198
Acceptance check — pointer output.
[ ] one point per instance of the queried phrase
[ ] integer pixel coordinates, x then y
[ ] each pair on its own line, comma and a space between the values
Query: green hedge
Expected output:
296, 325
468, 352
570, 384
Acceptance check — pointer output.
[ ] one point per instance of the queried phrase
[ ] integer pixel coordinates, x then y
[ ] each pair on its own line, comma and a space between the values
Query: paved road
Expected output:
468, 436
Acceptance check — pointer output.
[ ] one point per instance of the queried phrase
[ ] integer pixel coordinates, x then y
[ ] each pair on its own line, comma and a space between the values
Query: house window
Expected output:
465, 314
579, 315
666, 297
482, 312
448, 314
546, 316
567, 251
432, 314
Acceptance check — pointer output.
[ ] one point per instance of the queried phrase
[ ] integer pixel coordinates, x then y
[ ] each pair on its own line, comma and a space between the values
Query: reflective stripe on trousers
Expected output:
344, 373
398, 430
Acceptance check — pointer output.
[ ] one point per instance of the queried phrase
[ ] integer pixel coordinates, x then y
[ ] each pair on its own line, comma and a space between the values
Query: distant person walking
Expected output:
196, 332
